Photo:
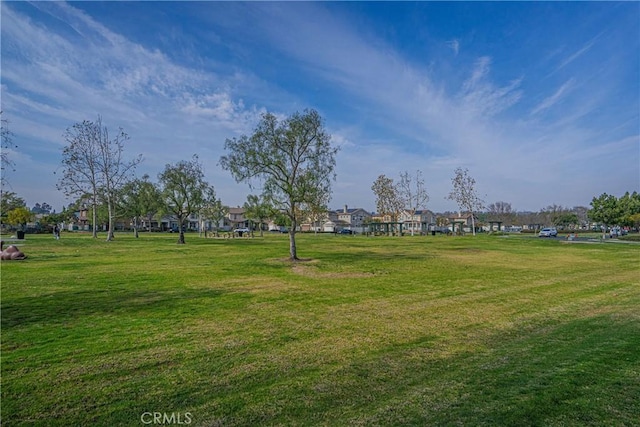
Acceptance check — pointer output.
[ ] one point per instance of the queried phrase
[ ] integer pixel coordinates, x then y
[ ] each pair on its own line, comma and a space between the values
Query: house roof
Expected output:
420, 212
466, 215
351, 211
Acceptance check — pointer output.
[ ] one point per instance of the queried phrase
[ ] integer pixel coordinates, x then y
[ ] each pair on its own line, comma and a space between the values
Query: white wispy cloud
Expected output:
466, 126
479, 96
454, 45
578, 53
555, 98
170, 111
568, 60
407, 116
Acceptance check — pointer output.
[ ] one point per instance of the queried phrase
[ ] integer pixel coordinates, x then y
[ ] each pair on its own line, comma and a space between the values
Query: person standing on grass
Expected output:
56, 232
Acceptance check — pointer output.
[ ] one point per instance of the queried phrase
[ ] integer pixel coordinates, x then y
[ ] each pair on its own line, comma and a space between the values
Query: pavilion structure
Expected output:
460, 223
499, 223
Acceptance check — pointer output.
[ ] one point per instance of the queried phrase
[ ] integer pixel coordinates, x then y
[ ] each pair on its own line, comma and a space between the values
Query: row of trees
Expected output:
94, 168
93, 165
610, 210
606, 210
291, 161
410, 194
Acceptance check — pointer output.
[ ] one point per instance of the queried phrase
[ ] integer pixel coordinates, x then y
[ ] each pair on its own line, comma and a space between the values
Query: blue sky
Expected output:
540, 101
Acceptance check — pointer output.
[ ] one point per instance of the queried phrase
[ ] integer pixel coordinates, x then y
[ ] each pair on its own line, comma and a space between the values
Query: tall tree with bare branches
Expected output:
501, 211
93, 164
388, 200
81, 174
413, 193
465, 195
115, 170
5, 149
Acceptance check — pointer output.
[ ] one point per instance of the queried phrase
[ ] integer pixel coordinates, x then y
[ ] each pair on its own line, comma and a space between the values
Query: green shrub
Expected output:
631, 237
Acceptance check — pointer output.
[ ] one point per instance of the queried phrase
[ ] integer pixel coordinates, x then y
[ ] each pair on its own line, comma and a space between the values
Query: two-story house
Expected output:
352, 218
235, 218
417, 222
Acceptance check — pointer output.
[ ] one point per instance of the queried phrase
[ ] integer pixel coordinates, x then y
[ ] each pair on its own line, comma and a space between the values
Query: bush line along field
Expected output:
366, 331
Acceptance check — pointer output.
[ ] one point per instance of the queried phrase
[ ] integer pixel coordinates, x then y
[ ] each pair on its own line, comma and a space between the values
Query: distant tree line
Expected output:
291, 162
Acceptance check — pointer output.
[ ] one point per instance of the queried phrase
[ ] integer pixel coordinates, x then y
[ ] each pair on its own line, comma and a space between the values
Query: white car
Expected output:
548, 232
241, 230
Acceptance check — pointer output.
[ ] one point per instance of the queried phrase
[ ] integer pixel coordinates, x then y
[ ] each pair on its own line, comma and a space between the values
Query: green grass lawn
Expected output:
423, 331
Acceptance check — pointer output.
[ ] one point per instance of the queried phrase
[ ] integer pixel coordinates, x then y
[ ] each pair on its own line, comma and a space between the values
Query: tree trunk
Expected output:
95, 216
180, 231
110, 213
135, 227
473, 224
293, 252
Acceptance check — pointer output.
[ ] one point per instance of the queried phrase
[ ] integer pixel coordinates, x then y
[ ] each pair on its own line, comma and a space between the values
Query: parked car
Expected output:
279, 230
548, 232
617, 231
241, 230
345, 231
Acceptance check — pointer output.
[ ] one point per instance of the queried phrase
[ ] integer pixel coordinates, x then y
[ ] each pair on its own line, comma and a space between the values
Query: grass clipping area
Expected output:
429, 330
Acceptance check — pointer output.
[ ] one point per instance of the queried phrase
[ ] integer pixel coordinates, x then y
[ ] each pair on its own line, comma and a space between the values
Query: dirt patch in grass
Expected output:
307, 270
294, 261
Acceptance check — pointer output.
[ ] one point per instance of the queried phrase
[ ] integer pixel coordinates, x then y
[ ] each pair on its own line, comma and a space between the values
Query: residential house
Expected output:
465, 220
235, 219
80, 220
419, 221
354, 218
331, 221
170, 223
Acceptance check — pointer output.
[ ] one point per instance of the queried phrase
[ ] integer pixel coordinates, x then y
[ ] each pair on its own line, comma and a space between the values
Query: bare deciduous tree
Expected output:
388, 200
414, 194
5, 149
501, 211
81, 173
465, 195
115, 170
93, 163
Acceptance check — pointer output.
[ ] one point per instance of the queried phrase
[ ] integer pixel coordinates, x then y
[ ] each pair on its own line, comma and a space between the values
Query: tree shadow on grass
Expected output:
64, 306
579, 372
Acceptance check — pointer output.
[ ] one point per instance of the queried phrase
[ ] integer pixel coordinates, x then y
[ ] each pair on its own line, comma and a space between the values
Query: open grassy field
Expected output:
422, 331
